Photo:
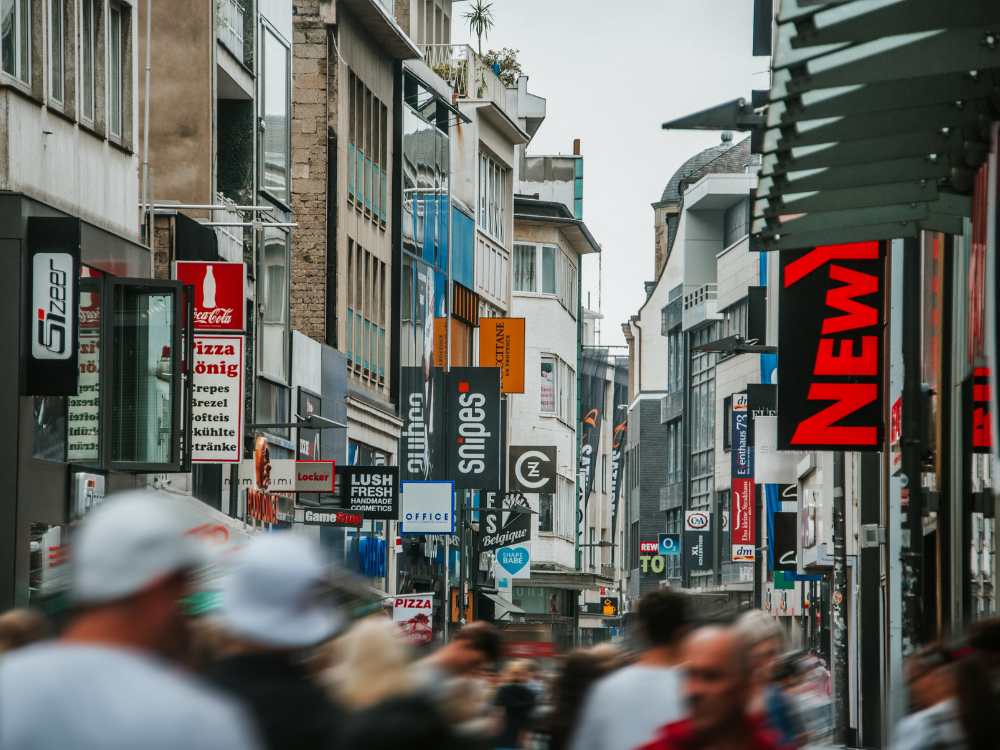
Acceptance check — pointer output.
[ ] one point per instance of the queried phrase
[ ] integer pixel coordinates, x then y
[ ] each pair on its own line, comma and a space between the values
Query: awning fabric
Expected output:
507, 606
878, 116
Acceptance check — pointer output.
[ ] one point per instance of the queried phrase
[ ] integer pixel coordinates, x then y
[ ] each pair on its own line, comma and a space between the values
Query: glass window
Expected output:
15, 39
549, 270
90, 12
524, 268
83, 411
548, 384
492, 201
275, 116
273, 278
272, 406
545, 511
115, 75
57, 63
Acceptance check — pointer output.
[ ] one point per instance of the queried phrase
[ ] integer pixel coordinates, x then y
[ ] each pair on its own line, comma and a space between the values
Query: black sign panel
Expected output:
830, 363
785, 538
372, 491
472, 395
592, 387
698, 547
495, 533
532, 468
607, 607
756, 315
52, 317
421, 444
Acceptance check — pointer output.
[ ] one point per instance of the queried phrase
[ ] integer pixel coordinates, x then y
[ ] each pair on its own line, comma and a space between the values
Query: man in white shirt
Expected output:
624, 709
105, 682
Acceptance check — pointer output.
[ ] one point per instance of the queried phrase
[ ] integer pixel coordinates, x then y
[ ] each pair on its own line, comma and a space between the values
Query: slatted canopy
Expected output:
877, 118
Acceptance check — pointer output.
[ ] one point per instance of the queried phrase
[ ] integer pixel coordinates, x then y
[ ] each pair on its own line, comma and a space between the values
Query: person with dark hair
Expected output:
410, 721
624, 709
577, 675
21, 627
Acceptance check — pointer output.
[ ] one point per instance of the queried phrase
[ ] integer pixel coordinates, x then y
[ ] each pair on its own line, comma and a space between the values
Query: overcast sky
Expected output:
611, 74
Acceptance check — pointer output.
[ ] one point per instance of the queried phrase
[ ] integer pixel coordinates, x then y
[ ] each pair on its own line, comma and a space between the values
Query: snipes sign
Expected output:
830, 366
473, 404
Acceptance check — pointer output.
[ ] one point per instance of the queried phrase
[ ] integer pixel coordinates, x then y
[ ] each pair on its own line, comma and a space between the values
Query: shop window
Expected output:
272, 406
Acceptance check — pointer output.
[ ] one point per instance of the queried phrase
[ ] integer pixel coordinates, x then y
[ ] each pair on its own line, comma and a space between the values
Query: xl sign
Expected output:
532, 468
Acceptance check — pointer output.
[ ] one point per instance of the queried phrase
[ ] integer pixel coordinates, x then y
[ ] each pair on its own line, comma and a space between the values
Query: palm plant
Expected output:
480, 18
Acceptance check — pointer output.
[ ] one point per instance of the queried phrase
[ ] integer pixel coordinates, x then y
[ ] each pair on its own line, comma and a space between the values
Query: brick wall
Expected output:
310, 89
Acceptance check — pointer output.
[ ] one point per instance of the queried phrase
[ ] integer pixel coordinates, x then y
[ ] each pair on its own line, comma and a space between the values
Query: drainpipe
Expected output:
148, 219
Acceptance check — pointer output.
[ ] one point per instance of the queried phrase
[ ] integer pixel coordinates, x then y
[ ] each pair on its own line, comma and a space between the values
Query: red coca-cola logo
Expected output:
216, 317
219, 294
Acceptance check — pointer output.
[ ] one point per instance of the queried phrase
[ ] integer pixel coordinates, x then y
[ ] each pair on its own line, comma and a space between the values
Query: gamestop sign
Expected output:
473, 403
219, 294
830, 368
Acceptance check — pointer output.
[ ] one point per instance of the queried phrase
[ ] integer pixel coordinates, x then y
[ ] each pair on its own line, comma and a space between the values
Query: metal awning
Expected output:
507, 606
878, 116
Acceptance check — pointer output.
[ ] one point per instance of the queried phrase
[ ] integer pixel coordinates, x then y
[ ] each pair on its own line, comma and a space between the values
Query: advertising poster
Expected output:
217, 399
698, 547
830, 323
219, 294
473, 409
372, 491
422, 453
501, 344
414, 613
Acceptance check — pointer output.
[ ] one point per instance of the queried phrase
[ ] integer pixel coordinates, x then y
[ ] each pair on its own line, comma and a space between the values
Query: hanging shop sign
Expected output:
421, 441
503, 528
619, 436
978, 409
217, 399
88, 493
372, 491
830, 367
651, 562
607, 607
593, 383
501, 344
742, 484
532, 468
741, 453
698, 543
669, 545
427, 507
315, 476
219, 294
267, 485
785, 541
287, 474
473, 408
414, 613
53, 315
513, 562
313, 517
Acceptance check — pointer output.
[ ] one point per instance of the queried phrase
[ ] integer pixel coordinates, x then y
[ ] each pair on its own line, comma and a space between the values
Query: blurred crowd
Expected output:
282, 662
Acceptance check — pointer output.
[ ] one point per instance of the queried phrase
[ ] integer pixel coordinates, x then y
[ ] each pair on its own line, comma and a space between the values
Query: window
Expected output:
557, 388
115, 73
273, 279
367, 155
524, 268
548, 384
735, 319
675, 360
736, 222
545, 511
674, 451
701, 418
89, 18
493, 182
366, 313
15, 39
604, 472
548, 270
57, 52
275, 143
578, 188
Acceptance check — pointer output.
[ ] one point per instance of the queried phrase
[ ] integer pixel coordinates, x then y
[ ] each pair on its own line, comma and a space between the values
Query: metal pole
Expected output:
838, 606
148, 218
446, 604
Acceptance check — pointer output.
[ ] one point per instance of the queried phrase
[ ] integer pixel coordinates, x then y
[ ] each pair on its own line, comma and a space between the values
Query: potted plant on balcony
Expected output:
505, 64
480, 18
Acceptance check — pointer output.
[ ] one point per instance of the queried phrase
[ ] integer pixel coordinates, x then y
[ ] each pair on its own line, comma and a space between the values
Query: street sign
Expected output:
532, 468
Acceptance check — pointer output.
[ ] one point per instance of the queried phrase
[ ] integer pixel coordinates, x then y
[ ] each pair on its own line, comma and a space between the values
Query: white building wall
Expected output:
738, 270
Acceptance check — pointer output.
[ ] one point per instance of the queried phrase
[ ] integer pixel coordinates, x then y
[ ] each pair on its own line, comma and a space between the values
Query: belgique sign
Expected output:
494, 533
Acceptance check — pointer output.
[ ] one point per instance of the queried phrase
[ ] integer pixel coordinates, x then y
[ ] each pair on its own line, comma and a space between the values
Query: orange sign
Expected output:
441, 342
501, 344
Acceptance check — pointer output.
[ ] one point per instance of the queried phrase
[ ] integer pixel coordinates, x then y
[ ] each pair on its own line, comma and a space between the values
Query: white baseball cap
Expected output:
278, 593
129, 542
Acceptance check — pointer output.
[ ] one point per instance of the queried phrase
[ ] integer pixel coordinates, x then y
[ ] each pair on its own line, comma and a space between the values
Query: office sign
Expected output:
503, 528
532, 468
501, 344
315, 517
473, 407
52, 317
421, 446
698, 544
372, 491
830, 368
217, 399
219, 294
669, 545
427, 507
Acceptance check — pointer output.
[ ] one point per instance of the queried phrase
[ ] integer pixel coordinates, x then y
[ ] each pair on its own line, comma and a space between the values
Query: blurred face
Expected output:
714, 687
466, 658
763, 657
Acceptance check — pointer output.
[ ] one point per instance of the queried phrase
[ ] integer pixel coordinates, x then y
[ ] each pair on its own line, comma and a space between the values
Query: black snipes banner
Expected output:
472, 396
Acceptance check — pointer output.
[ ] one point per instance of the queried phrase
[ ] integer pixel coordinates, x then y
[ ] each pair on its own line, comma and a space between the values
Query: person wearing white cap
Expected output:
104, 683
278, 603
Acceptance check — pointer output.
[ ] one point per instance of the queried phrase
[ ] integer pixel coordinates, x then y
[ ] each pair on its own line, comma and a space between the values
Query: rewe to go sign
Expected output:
650, 559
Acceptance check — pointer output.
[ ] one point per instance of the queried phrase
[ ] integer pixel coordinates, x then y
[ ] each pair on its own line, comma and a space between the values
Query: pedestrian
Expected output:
624, 709
766, 642
104, 683
403, 721
371, 663
717, 689
21, 627
277, 605
580, 670
518, 702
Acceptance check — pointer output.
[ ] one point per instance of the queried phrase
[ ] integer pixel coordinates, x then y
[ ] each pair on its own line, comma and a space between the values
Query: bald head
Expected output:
717, 679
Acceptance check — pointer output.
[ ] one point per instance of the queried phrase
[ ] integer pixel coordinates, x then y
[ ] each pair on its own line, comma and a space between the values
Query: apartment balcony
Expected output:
231, 24
700, 305
470, 77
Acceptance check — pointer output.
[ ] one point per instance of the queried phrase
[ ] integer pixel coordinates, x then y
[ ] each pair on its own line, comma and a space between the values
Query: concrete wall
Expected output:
700, 238
738, 270
551, 177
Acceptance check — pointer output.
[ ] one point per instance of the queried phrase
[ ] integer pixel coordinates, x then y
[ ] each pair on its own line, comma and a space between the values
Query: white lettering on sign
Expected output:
217, 399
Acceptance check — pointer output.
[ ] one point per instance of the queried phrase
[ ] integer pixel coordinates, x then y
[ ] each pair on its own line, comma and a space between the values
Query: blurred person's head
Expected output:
371, 663
765, 641
519, 670
132, 564
473, 648
384, 726
20, 627
577, 674
717, 680
930, 676
788, 671
278, 597
664, 618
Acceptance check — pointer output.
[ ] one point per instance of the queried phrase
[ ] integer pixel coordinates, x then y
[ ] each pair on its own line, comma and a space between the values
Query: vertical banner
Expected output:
83, 411
217, 399
472, 399
697, 544
593, 384
830, 317
619, 436
501, 344
421, 441
742, 520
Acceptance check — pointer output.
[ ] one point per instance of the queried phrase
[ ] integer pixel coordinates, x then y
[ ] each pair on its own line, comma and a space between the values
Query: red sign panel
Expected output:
742, 522
830, 364
982, 423
219, 293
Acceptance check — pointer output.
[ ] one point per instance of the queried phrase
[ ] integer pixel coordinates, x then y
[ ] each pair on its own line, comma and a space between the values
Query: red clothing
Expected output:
680, 735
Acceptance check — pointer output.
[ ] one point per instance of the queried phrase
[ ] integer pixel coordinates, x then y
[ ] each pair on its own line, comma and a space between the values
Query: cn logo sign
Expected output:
532, 468
51, 296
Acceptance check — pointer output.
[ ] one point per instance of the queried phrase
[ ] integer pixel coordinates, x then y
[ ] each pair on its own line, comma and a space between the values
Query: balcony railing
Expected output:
469, 76
231, 19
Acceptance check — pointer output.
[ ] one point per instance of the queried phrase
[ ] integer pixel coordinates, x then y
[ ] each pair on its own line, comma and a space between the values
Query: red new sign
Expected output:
219, 293
742, 523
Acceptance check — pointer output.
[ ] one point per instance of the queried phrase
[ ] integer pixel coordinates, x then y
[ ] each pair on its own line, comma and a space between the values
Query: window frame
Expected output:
23, 54
115, 87
283, 199
56, 43
492, 199
94, 47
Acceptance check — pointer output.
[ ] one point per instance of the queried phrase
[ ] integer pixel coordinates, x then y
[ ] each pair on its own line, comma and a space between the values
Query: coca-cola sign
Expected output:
219, 293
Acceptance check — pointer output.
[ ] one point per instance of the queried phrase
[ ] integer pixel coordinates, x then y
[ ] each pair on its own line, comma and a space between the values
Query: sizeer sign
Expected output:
830, 367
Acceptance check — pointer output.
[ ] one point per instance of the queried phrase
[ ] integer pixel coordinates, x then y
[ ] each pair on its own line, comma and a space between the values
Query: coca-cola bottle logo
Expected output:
215, 317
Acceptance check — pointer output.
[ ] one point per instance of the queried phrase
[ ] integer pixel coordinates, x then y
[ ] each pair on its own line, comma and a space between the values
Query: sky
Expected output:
612, 73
